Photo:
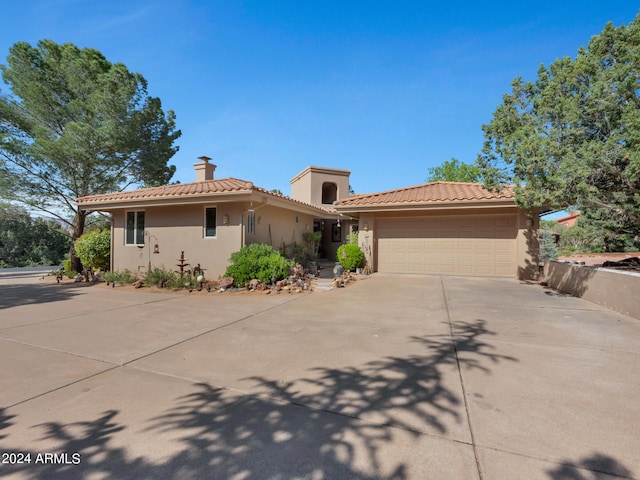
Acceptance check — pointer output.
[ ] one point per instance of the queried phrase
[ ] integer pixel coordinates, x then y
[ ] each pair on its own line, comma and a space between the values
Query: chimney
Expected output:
204, 169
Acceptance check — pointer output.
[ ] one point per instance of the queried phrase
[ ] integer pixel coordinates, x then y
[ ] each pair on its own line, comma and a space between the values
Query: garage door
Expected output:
462, 245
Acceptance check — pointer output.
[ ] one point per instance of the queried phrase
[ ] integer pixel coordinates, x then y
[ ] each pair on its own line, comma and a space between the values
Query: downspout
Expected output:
112, 248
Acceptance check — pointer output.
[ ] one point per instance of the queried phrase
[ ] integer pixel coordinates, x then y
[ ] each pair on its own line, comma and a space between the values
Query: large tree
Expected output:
75, 124
572, 137
455, 171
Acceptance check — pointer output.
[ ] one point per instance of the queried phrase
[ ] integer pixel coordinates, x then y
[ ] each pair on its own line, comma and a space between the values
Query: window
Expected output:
210, 222
329, 193
135, 228
251, 223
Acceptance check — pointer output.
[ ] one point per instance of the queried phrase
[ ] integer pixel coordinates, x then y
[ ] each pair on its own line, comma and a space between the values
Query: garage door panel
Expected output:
469, 245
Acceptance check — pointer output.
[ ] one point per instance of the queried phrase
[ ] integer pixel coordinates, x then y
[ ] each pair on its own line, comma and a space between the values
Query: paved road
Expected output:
416, 377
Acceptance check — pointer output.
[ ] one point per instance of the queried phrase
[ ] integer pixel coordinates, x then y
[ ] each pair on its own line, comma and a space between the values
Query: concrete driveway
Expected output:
417, 377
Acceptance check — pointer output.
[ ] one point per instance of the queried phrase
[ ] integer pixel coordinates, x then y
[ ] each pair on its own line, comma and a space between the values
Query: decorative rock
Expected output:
225, 282
137, 284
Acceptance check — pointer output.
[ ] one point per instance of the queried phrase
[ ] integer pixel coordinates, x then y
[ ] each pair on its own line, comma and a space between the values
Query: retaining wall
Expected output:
617, 290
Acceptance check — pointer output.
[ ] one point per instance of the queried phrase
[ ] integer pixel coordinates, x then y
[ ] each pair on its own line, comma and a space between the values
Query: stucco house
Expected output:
439, 228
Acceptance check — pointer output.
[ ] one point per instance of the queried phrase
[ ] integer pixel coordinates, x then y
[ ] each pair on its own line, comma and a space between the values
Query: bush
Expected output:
548, 247
94, 248
68, 269
259, 261
124, 277
350, 256
163, 278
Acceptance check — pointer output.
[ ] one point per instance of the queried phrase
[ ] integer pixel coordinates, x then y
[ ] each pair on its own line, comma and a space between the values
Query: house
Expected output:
439, 228
569, 220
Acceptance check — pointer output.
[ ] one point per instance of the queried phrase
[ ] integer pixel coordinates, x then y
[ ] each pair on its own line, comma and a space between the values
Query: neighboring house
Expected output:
441, 228
569, 220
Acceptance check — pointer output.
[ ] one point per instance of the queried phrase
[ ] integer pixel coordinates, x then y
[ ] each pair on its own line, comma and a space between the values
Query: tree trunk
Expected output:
76, 264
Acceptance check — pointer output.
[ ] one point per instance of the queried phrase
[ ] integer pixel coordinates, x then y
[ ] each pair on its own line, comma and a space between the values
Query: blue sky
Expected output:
266, 88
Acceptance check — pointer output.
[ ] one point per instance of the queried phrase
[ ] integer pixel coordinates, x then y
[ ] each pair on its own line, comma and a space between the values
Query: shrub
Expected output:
93, 249
163, 278
350, 256
68, 269
124, 277
352, 238
259, 261
548, 247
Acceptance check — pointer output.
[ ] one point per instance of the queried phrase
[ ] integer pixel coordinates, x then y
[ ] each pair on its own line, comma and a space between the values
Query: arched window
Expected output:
329, 193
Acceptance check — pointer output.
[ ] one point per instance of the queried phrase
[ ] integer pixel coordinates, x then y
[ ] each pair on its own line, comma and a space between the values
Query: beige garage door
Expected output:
460, 245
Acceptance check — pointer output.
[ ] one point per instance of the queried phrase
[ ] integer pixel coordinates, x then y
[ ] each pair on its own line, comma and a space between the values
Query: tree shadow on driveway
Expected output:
28, 294
354, 422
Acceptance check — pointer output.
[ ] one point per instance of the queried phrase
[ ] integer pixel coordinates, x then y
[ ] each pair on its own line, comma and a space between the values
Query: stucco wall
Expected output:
307, 185
615, 290
180, 228
277, 226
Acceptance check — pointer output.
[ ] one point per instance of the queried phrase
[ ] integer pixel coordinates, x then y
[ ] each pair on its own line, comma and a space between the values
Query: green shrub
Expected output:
124, 277
160, 276
68, 269
94, 248
350, 256
259, 261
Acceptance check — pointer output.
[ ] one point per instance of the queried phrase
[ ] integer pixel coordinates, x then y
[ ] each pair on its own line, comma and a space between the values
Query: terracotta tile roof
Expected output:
186, 190
437, 192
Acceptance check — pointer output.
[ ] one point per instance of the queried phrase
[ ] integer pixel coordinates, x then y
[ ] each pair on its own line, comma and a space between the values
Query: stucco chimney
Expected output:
204, 169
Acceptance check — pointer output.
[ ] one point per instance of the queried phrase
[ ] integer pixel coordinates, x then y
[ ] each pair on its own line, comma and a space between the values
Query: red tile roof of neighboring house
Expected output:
437, 192
569, 220
182, 190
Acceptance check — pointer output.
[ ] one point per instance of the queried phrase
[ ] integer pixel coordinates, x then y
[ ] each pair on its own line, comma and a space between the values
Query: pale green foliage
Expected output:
76, 125
455, 171
94, 249
548, 247
572, 137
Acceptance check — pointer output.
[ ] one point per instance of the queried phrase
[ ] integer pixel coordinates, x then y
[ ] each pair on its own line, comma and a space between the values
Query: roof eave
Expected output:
217, 197
449, 205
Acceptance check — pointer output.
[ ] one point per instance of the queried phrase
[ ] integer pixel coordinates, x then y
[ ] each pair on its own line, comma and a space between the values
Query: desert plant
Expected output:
94, 249
123, 277
312, 241
352, 238
162, 277
259, 261
548, 247
350, 256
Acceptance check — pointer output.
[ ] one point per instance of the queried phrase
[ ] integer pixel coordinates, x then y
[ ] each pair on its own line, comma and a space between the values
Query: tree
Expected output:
27, 242
572, 137
455, 171
77, 125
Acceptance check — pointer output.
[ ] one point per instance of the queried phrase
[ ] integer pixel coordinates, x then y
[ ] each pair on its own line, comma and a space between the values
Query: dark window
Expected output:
251, 223
210, 222
329, 193
135, 228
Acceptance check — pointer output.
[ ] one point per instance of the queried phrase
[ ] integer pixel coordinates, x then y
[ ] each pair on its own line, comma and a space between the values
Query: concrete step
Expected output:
322, 284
